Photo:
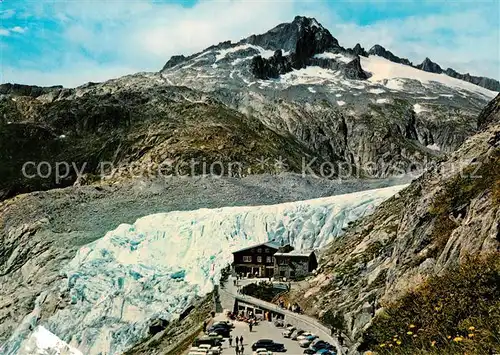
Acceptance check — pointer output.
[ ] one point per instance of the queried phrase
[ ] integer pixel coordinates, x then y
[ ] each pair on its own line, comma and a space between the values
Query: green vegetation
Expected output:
263, 291
455, 313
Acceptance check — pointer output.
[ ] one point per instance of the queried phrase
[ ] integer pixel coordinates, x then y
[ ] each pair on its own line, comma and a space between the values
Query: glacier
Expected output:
158, 266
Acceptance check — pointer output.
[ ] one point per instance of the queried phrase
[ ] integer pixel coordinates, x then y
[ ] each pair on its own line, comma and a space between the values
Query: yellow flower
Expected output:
412, 326
472, 329
471, 335
433, 343
390, 345
458, 339
449, 336
382, 345
398, 342
409, 333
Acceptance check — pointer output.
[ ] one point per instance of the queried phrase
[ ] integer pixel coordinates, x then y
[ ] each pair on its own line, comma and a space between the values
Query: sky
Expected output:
71, 42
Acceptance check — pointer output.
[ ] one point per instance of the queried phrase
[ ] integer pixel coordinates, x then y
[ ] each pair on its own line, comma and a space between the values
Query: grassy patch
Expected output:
455, 313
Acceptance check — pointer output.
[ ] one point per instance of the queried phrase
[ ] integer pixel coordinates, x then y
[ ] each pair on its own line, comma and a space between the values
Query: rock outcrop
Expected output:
448, 214
485, 82
429, 66
358, 50
382, 52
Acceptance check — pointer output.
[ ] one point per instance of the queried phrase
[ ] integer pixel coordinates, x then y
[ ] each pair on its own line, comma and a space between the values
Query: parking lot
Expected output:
265, 330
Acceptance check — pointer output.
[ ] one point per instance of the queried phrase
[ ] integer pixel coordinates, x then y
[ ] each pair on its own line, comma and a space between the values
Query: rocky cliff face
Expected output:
445, 216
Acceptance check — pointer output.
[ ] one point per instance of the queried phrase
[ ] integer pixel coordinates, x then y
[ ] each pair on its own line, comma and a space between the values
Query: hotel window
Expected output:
267, 250
259, 250
259, 259
269, 259
247, 259
283, 262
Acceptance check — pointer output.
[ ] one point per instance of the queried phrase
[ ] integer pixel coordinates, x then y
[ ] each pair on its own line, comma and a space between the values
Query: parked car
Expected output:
305, 335
215, 340
325, 352
223, 331
268, 344
319, 347
262, 351
221, 325
210, 350
279, 323
304, 343
225, 323
287, 333
296, 333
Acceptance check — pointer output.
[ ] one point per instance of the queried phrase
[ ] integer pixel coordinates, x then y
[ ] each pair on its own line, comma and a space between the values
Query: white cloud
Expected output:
4, 32
6, 14
19, 29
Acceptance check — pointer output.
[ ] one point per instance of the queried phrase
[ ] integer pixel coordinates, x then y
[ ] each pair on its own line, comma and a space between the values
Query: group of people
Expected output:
291, 307
239, 349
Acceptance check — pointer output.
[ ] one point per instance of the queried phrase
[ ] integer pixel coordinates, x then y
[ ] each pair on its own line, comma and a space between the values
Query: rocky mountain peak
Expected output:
288, 36
429, 66
382, 52
358, 50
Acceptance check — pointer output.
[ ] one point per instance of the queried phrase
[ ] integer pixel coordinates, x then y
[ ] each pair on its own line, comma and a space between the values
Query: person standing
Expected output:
237, 340
241, 340
237, 350
242, 349
230, 340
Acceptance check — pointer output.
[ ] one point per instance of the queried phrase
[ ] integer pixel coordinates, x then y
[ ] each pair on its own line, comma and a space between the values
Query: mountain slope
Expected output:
321, 107
448, 214
356, 110
124, 129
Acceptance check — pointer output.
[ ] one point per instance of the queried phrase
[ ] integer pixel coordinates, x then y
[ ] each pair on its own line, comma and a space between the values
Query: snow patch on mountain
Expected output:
264, 53
383, 69
337, 56
43, 342
309, 75
418, 108
376, 91
156, 267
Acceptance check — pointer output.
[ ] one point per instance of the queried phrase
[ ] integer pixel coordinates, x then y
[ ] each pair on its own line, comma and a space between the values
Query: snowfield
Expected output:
158, 266
383, 69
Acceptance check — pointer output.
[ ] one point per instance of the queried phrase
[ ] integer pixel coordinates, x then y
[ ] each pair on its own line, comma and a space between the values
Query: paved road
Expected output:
300, 320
